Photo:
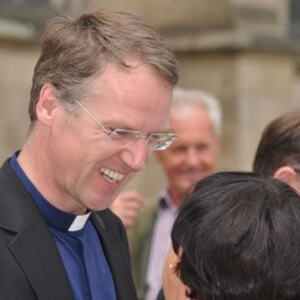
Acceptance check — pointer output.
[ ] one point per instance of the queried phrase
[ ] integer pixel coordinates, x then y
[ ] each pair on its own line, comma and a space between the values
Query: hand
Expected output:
127, 207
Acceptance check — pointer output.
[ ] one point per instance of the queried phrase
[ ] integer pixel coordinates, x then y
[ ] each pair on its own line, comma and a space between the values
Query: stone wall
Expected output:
239, 50
17, 60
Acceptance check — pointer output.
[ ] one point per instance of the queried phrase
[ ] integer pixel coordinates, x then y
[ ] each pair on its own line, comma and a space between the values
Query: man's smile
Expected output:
111, 175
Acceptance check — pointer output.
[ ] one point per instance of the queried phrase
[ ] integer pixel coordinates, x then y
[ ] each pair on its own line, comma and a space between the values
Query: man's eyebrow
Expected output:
116, 125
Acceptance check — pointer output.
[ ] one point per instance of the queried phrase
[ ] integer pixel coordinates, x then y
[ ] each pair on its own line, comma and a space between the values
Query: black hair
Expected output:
240, 236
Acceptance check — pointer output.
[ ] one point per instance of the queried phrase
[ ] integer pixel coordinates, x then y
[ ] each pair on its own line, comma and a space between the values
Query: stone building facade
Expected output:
245, 52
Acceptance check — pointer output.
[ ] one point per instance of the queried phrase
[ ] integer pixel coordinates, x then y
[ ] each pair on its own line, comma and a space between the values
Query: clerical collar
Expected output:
54, 217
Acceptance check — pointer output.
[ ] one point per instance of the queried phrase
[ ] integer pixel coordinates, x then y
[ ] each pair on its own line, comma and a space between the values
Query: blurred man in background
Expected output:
278, 156
196, 118
278, 152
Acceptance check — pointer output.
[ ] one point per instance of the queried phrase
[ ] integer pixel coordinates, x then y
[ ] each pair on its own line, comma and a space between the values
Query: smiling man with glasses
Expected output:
100, 99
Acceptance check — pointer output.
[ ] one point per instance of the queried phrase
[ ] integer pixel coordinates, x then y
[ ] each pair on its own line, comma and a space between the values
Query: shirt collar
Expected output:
165, 200
54, 217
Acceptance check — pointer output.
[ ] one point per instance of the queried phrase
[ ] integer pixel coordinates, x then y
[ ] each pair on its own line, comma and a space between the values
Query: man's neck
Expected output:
176, 196
39, 173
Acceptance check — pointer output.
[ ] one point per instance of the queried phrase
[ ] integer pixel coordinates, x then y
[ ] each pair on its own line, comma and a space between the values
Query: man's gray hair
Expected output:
187, 97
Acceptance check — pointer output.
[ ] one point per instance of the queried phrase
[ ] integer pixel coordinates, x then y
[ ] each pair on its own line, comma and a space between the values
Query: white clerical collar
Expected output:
79, 222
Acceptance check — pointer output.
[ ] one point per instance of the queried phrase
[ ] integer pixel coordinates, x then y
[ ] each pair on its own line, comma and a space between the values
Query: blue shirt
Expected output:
80, 249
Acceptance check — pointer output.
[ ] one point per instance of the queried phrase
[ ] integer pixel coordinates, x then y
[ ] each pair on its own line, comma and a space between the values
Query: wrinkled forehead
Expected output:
137, 96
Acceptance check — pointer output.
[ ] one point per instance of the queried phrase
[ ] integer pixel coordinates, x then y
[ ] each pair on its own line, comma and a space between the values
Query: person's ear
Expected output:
47, 104
174, 288
286, 174
175, 260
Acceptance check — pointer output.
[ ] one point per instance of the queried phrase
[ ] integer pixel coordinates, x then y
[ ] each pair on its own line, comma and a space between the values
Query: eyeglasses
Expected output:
154, 141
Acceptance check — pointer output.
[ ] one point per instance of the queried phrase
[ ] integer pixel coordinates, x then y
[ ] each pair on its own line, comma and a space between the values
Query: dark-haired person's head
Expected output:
278, 152
237, 237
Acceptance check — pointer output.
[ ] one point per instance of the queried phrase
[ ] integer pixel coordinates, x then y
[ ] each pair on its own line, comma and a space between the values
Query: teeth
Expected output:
113, 176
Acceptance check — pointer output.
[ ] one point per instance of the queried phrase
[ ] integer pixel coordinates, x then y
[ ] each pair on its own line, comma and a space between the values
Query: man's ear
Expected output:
47, 104
286, 174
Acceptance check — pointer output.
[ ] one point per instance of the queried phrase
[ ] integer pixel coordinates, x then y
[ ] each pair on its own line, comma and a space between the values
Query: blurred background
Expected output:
245, 52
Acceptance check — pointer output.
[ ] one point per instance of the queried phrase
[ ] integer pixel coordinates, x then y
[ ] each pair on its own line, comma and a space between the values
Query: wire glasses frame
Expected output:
155, 141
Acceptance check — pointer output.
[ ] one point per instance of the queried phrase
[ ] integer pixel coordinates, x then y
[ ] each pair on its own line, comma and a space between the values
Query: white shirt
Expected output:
160, 244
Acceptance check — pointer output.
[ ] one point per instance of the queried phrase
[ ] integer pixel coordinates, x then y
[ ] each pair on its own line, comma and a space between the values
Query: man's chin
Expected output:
99, 204
189, 186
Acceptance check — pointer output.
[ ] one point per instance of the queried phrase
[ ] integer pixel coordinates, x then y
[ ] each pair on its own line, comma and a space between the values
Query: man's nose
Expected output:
192, 157
135, 155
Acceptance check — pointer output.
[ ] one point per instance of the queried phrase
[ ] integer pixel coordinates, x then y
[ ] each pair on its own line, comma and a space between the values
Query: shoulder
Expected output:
16, 203
109, 217
7, 176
